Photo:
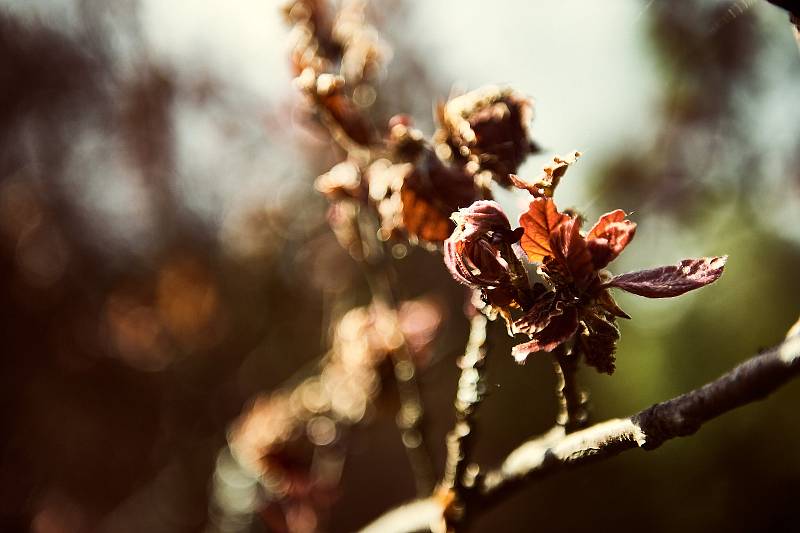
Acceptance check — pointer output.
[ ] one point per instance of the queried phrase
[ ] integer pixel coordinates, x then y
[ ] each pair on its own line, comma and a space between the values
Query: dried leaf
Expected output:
609, 237
558, 331
598, 342
673, 280
539, 222
520, 183
551, 175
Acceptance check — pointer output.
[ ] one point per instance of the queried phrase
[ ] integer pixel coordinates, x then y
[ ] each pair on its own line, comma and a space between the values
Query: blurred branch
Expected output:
379, 272
679, 417
470, 393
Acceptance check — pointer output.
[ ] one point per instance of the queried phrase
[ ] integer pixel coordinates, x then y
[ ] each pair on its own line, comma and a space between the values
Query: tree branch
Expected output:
681, 416
459, 477
379, 272
468, 396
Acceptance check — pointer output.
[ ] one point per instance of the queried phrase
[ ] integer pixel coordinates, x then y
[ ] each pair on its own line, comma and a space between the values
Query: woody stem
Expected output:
458, 476
572, 401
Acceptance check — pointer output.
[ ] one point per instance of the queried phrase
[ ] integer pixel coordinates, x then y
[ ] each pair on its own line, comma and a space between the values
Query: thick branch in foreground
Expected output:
681, 416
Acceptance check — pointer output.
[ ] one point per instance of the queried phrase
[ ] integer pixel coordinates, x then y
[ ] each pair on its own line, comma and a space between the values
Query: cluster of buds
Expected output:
572, 302
335, 58
415, 185
486, 132
412, 183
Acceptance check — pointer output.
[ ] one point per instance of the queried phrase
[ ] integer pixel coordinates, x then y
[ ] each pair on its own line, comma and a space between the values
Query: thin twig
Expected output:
379, 272
748, 382
470, 393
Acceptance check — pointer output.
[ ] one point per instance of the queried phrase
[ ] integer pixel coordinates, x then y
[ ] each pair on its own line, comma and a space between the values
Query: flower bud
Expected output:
479, 254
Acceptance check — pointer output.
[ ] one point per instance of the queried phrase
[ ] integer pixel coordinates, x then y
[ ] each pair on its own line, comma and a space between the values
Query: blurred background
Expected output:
165, 258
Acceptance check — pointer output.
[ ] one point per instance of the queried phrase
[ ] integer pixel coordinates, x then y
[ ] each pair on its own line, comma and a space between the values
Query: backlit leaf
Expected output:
538, 222
558, 331
673, 280
430, 194
609, 305
539, 315
609, 237
570, 252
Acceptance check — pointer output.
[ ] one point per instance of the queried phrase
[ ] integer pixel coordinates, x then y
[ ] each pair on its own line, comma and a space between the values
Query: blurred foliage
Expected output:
165, 259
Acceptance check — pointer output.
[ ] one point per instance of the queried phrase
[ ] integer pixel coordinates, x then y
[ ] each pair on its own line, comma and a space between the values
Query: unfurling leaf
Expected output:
572, 259
598, 342
673, 280
558, 331
539, 315
479, 254
540, 220
609, 237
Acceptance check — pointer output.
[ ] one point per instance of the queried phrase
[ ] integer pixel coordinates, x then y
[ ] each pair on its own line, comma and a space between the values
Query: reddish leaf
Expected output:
347, 115
571, 255
609, 237
478, 253
539, 222
598, 342
558, 331
539, 315
429, 196
423, 218
673, 280
618, 215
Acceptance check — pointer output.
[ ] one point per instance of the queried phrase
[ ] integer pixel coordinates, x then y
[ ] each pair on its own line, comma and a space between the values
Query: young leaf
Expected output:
539, 315
609, 237
558, 331
540, 220
571, 254
673, 280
